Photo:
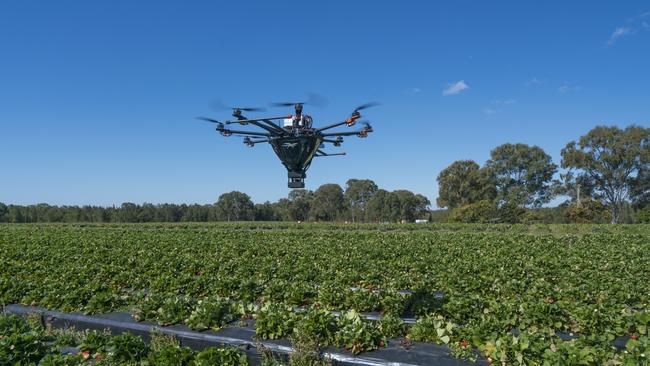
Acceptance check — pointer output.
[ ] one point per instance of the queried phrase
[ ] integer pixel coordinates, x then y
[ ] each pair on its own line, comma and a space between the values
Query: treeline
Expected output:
606, 178
361, 201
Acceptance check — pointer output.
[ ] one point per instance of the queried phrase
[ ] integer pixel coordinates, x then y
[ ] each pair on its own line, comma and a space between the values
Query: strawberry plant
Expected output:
499, 281
211, 313
432, 328
356, 334
220, 356
274, 321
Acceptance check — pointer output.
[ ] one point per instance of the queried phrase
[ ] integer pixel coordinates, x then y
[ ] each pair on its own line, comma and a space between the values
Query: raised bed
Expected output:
394, 354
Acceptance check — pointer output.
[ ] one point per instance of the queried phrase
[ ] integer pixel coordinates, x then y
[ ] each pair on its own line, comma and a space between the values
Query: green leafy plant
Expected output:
391, 326
127, 348
356, 334
274, 321
220, 356
432, 328
319, 324
211, 314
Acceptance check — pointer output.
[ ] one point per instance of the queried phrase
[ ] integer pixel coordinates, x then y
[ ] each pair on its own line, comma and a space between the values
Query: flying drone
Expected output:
293, 138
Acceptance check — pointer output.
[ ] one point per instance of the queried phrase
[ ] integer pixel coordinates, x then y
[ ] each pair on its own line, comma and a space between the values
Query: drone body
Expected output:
296, 142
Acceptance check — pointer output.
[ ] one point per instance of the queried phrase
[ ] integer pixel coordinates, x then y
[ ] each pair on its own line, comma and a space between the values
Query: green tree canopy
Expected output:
358, 193
463, 183
327, 203
610, 158
4, 210
299, 205
375, 207
523, 174
235, 206
640, 188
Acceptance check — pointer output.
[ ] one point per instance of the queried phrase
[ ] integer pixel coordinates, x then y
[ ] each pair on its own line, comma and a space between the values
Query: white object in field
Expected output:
421, 221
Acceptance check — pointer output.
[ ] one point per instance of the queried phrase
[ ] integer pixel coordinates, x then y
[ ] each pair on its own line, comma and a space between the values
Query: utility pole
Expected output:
578, 195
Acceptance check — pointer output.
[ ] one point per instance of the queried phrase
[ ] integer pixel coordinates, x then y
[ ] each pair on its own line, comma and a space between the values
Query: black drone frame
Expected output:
297, 143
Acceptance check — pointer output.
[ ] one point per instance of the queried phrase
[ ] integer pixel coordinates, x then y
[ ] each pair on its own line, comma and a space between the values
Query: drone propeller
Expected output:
219, 105
208, 120
313, 99
365, 106
286, 104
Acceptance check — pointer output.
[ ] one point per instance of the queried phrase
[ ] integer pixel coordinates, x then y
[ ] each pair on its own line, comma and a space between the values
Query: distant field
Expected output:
588, 280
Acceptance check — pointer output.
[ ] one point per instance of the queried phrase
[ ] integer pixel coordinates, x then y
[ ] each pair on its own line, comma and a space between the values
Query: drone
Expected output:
293, 138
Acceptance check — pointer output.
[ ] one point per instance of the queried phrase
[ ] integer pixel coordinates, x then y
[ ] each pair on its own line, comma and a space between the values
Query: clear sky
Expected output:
98, 99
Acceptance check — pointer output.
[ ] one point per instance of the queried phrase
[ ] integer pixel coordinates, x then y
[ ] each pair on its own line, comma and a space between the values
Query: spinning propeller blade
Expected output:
208, 119
366, 105
219, 105
313, 99
286, 104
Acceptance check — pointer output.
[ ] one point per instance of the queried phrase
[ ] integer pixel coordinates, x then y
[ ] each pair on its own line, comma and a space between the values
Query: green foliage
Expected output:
235, 206
328, 203
391, 326
274, 321
358, 193
174, 310
496, 278
589, 211
356, 334
22, 343
306, 347
432, 328
479, 212
642, 216
126, 348
96, 342
13, 324
464, 183
21, 348
211, 314
610, 159
167, 355
523, 174
220, 356
318, 324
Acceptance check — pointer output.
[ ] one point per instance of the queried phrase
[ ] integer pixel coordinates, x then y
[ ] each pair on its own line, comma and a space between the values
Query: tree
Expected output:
327, 203
640, 189
478, 212
128, 212
3, 212
588, 212
392, 210
610, 158
421, 206
235, 206
357, 194
375, 206
462, 183
266, 211
523, 174
300, 201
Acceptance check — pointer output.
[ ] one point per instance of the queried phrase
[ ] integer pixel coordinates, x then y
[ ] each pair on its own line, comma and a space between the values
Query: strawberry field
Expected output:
513, 294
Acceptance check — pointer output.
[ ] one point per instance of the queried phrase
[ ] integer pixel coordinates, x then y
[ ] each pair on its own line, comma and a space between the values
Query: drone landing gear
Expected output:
296, 179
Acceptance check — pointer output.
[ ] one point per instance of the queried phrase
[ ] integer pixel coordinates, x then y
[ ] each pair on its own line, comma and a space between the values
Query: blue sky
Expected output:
98, 98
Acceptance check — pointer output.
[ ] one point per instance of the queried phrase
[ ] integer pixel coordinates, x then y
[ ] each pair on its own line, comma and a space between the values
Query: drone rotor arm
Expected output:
320, 152
242, 121
244, 133
352, 133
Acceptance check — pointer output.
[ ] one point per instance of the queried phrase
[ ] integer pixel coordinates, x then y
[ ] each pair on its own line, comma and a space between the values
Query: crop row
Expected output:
27, 342
507, 291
